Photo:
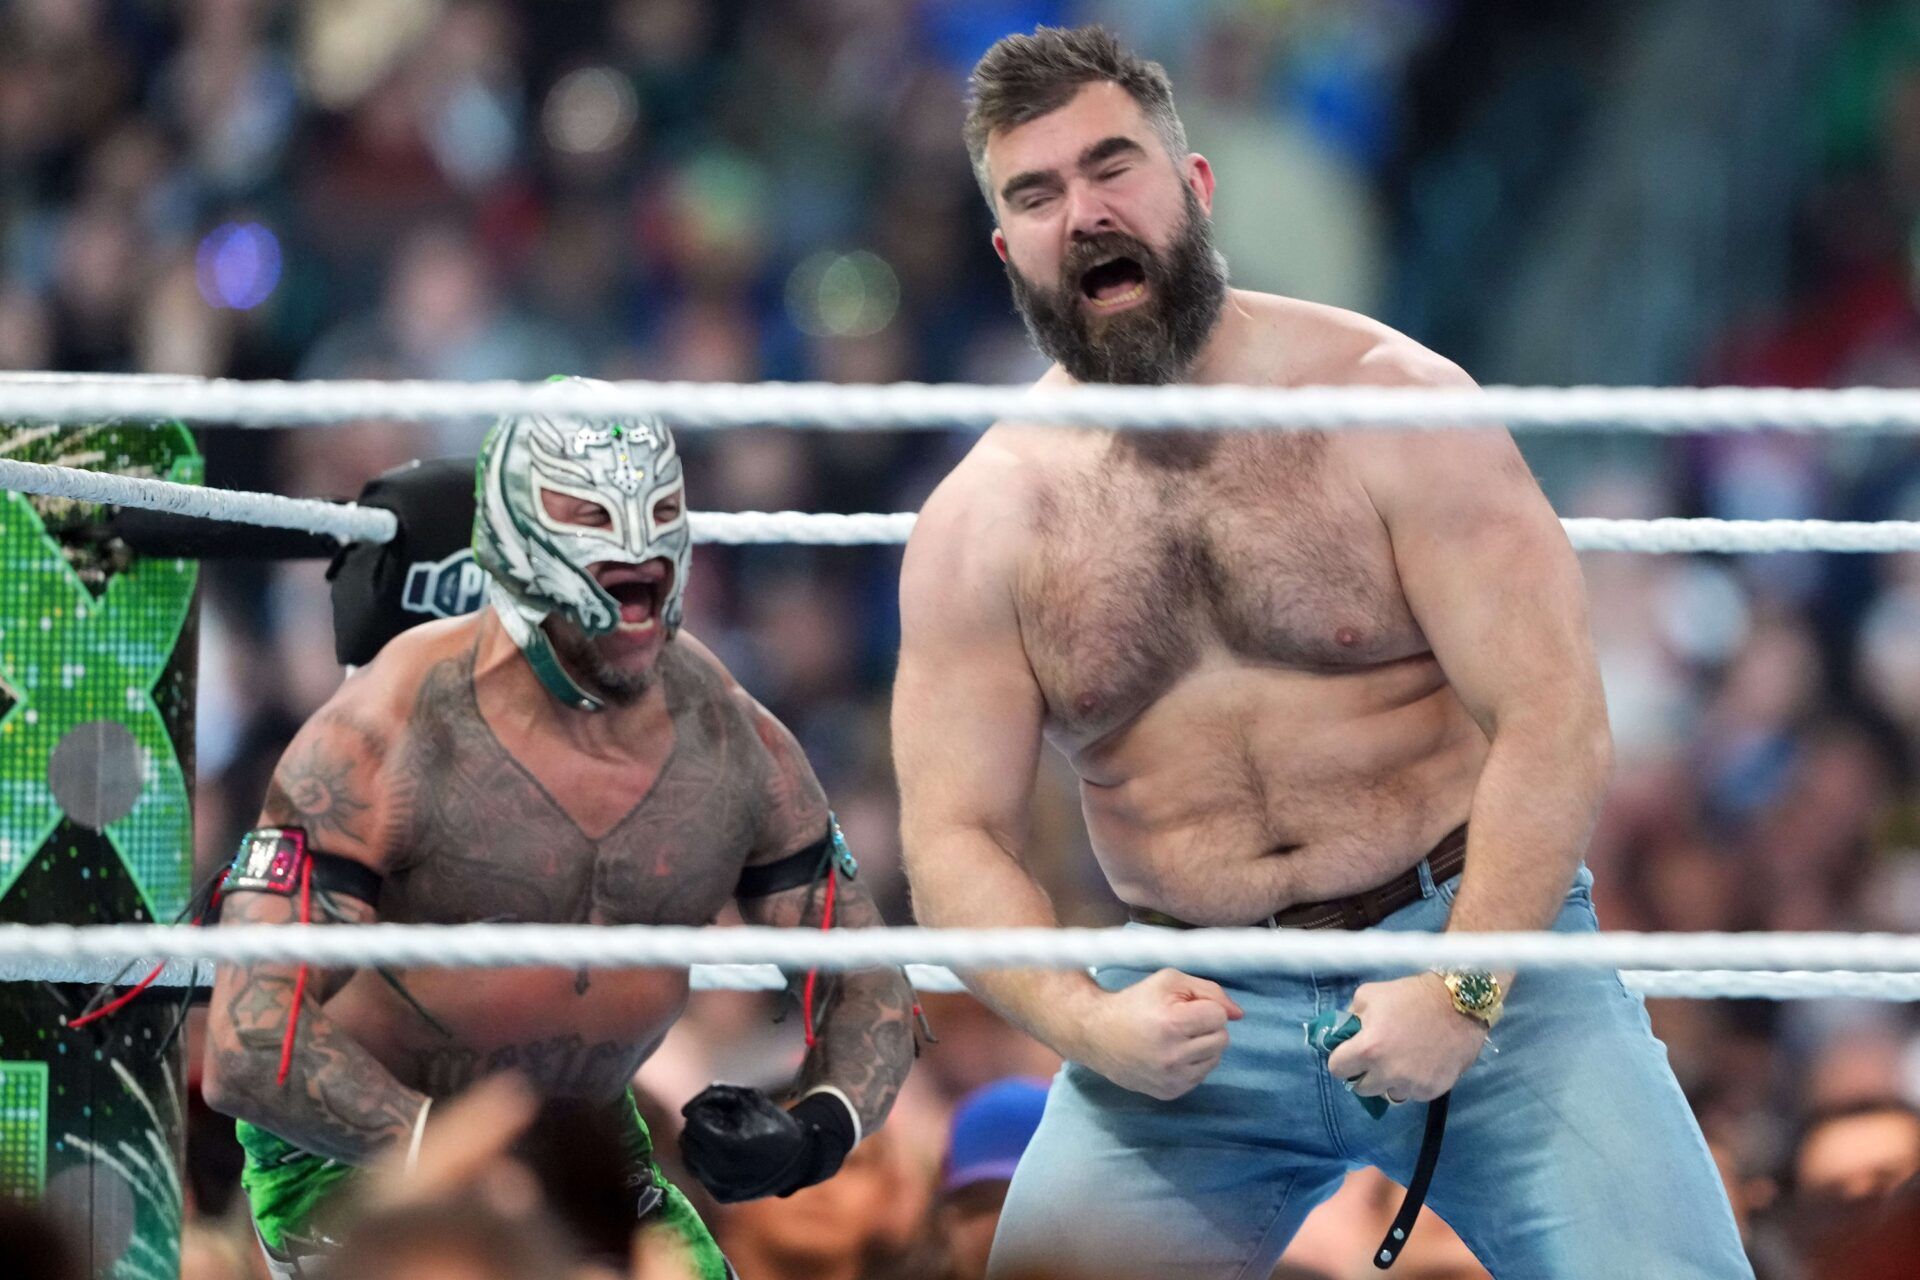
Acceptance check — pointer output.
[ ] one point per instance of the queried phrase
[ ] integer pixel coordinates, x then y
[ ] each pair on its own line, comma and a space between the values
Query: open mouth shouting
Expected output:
639, 589
1114, 283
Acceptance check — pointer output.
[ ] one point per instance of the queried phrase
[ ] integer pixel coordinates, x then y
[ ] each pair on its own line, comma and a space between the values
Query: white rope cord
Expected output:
1666, 984
1724, 984
827, 406
1688, 535
1668, 535
628, 946
813, 528
346, 521
737, 528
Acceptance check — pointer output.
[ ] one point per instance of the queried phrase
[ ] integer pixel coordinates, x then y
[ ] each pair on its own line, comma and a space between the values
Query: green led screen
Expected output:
23, 1129
97, 656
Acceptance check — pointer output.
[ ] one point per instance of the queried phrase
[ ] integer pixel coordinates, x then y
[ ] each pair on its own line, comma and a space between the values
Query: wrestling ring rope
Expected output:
1748, 966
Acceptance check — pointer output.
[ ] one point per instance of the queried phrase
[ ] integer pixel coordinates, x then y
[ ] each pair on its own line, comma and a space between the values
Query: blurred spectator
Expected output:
1882, 1245
1854, 1171
991, 1129
1857, 1151
210, 1251
442, 317
839, 1229
451, 1240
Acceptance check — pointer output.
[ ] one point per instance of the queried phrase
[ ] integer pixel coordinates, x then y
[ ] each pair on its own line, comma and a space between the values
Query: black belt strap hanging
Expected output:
1416, 1186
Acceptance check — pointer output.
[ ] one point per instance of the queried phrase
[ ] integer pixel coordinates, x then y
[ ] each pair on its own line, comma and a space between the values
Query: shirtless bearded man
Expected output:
1303, 680
562, 757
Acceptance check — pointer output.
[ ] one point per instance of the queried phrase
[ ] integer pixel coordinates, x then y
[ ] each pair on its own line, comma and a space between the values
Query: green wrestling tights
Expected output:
286, 1186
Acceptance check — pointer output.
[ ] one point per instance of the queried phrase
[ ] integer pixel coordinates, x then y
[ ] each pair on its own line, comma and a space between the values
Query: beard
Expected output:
592, 670
1151, 344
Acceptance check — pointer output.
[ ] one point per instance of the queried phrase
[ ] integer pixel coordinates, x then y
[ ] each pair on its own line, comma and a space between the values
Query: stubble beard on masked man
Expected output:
619, 681
1152, 344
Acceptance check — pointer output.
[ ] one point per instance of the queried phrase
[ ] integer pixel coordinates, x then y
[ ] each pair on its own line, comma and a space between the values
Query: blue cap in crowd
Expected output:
991, 1127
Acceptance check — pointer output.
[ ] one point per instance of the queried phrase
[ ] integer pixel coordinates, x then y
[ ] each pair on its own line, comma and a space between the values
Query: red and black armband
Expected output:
276, 860
817, 862
280, 860
825, 860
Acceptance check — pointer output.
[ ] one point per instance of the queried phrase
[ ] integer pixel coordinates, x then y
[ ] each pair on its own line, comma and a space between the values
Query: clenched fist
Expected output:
741, 1145
1412, 1045
1160, 1036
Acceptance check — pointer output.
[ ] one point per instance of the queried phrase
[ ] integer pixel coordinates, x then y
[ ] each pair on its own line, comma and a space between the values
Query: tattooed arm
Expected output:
865, 1041
338, 1100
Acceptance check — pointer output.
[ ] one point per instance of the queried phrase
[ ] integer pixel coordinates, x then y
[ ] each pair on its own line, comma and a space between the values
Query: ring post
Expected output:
97, 662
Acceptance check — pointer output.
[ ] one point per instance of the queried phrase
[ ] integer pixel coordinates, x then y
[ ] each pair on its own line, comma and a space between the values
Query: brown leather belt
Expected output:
1360, 910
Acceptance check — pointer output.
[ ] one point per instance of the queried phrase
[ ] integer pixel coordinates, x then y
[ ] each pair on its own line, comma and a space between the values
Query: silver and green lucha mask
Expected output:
538, 565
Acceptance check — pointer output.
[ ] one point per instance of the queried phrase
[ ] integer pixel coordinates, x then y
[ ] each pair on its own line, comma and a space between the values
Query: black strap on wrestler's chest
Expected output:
1417, 1185
803, 866
335, 876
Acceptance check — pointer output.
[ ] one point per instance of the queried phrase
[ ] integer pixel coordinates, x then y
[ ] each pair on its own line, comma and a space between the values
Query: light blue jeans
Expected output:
1569, 1153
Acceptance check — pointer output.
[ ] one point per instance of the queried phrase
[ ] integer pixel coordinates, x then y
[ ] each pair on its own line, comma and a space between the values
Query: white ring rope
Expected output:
1672, 534
837, 407
677, 947
821, 529
346, 521
737, 528
1665, 984
1741, 966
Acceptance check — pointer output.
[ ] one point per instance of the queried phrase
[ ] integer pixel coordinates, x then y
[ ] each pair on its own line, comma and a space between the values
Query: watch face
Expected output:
1477, 990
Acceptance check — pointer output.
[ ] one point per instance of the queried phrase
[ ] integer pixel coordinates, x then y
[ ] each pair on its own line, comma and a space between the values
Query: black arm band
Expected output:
790, 872
270, 861
345, 877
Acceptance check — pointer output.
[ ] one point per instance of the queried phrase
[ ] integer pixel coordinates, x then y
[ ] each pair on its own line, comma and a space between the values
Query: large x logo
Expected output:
83, 672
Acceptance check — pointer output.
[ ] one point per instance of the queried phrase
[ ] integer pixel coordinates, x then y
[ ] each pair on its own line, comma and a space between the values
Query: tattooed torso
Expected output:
437, 768
474, 836
480, 838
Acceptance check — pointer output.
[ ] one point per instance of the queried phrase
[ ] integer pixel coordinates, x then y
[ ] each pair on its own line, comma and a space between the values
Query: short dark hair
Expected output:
1820, 1117
1024, 77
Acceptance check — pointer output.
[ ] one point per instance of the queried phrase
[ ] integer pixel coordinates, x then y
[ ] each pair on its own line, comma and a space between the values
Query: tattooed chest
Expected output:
492, 862
483, 840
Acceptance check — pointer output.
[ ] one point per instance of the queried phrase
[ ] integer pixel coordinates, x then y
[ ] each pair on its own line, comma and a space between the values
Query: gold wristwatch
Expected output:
1475, 993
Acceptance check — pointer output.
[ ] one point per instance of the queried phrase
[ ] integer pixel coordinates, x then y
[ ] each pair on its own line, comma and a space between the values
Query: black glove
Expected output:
741, 1145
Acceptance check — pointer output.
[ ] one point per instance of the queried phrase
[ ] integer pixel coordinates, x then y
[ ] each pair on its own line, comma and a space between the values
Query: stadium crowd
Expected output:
756, 190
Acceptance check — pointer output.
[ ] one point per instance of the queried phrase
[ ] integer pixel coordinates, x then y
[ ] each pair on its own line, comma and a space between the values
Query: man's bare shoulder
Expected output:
1326, 346
981, 515
792, 806
697, 672
333, 778
385, 690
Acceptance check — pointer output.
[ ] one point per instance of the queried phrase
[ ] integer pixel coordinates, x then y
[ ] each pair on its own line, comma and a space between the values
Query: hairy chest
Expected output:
1264, 555
482, 837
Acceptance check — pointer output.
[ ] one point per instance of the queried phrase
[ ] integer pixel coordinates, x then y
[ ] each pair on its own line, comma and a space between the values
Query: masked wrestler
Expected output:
566, 756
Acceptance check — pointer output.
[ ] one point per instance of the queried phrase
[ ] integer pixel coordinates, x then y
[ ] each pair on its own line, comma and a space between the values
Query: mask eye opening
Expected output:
667, 508
566, 510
